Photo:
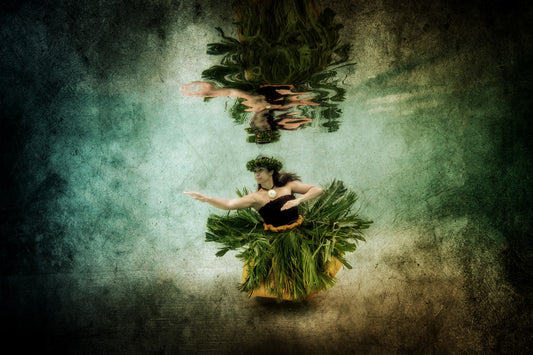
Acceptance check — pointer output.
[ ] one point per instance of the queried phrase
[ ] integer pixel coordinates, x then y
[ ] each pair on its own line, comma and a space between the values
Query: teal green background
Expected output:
102, 252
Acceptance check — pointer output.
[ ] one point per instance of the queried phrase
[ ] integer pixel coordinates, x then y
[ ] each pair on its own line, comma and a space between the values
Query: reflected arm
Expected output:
206, 89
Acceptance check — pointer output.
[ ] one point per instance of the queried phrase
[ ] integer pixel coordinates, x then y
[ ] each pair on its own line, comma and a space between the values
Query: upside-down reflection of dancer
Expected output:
289, 254
263, 103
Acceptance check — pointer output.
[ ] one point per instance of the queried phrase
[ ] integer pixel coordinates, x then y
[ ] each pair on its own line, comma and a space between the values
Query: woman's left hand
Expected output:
197, 196
290, 204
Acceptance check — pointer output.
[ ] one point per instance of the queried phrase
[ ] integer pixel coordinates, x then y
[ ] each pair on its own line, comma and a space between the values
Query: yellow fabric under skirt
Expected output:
332, 269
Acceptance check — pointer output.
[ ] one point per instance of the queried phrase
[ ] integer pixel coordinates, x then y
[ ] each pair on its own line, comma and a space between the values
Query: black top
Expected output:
272, 214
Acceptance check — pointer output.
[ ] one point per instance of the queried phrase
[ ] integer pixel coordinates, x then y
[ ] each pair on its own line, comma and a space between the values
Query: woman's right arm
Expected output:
223, 203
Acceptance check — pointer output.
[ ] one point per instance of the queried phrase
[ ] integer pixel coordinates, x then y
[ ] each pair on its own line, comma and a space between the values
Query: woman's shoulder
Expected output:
299, 187
254, 198
292, 184
257, 199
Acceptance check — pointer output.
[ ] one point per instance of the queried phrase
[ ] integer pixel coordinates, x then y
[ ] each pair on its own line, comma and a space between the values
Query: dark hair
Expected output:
271, 120
271, 94
282, 179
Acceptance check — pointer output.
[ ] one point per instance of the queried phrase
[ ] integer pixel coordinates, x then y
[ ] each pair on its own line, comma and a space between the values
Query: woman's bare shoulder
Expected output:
253, 195
295, 184
255, 199
298, 187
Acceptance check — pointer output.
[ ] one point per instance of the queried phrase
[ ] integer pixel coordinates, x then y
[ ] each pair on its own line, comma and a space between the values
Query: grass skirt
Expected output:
299, 262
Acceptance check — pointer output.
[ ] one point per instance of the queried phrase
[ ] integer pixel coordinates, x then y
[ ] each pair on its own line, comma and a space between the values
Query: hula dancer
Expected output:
292, 246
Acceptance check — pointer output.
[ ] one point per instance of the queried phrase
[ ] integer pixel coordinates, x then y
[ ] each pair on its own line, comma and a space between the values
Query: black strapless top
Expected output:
272, 214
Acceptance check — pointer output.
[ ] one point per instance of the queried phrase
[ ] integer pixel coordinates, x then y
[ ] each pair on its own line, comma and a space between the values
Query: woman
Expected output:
274, 198
293, 246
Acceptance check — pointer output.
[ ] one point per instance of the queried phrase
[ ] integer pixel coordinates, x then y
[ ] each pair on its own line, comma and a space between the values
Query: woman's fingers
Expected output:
195, 195
287, 205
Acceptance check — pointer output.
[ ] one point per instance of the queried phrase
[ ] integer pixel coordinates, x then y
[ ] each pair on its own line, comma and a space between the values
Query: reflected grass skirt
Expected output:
297, 263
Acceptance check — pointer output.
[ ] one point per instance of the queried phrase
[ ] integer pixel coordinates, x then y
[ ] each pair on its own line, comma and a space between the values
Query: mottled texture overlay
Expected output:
102, 253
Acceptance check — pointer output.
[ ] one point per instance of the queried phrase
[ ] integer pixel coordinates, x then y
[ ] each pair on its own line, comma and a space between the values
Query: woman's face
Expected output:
263, 175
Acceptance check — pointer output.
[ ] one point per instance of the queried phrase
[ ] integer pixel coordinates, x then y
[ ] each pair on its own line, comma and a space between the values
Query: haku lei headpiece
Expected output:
270, 163
262, 137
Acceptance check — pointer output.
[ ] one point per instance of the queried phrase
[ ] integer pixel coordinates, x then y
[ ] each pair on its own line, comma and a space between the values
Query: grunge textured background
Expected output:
102, 253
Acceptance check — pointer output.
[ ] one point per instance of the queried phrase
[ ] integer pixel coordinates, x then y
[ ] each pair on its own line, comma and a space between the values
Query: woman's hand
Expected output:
223, 203
290, 204
197, 196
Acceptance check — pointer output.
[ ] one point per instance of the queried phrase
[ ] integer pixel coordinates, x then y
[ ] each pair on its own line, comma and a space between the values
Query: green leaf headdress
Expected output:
261, 137
270, 163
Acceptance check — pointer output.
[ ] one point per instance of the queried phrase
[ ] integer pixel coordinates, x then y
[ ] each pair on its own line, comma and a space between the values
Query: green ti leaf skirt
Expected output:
296, 263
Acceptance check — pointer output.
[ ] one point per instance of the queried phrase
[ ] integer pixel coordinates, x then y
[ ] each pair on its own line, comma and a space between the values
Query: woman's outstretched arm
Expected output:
223, 203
